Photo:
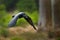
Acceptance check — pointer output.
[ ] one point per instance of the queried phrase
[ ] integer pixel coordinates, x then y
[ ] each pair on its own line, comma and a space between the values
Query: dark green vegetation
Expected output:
21, 5
9, 7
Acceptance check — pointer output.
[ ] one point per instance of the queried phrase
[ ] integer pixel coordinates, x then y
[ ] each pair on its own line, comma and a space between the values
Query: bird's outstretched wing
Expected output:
13, 22
28, 19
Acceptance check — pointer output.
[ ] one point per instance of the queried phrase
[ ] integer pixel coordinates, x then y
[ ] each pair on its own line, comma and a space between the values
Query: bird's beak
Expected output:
28, 19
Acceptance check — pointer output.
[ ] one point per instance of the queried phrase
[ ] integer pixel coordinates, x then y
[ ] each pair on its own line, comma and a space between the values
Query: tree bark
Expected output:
45, 22
42, 18
45, 16
57, 18
49, 17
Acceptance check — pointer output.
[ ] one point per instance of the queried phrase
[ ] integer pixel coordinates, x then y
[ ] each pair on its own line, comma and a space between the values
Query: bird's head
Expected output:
19, 15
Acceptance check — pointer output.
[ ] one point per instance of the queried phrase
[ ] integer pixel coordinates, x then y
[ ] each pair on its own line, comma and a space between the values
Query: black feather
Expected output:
29, 20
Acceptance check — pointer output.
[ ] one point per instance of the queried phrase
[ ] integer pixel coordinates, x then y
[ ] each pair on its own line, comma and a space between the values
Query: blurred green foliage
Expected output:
27, 6
10, 7
21, 5
4, 32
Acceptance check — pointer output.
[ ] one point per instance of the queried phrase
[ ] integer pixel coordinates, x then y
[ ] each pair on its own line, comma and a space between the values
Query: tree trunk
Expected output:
45, 22
49, 17
57, 18
45, 16
42, 16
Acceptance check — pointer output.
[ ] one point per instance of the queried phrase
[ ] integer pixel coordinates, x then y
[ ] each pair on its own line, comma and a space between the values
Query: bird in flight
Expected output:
18, 16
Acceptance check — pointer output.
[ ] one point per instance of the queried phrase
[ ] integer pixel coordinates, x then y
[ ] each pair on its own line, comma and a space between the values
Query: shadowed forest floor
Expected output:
23, 33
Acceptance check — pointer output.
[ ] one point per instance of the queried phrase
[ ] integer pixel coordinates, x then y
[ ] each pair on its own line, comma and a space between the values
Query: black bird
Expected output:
20, 15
